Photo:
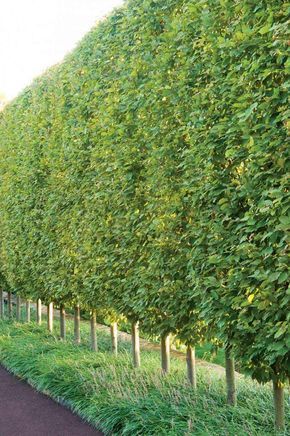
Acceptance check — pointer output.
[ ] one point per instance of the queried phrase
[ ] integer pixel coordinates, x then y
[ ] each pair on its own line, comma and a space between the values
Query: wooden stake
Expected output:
191, 368
50, 317
38, 311
18, 308
114, 338
135, 344
230, 378
165, 354
279, 405
77, 322
62, 322
27, 311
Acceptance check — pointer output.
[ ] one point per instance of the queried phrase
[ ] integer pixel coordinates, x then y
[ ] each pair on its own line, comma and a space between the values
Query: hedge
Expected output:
147, 176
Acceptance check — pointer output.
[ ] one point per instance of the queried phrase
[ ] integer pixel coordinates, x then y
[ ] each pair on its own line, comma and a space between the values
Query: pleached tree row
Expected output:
146, 177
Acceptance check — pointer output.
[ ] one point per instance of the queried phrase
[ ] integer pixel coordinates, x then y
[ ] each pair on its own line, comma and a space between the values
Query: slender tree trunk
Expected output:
191, 368
38, 311
1, 304
114, 338
9, 303
230, 378
77, 324
94, 343
279, 405
136, 344
50, 317
62, 322
18, 308
27, 311
165, 354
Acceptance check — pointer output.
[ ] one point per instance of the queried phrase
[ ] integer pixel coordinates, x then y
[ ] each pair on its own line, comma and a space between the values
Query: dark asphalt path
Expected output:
25, 412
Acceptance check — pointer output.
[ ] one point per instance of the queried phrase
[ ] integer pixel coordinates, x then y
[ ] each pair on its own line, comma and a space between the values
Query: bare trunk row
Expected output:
278, 391
10, 307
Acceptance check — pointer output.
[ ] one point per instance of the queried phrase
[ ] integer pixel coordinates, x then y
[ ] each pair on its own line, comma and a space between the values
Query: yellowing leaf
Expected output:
251, 298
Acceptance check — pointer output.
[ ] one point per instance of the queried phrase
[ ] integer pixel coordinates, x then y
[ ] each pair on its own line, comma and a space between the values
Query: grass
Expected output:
204, 351
120, 400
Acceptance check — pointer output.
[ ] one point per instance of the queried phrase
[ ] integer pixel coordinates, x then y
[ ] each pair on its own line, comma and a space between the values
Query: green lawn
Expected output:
120, 400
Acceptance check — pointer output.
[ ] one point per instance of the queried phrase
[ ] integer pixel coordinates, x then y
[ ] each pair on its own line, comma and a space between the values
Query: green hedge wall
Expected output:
146, 175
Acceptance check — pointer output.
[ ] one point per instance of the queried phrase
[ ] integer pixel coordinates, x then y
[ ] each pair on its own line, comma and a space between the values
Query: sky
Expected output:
35, 34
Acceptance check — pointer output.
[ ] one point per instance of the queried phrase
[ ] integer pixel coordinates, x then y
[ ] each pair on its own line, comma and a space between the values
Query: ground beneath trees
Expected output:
149, 346
118, 399
26, 412
144, 344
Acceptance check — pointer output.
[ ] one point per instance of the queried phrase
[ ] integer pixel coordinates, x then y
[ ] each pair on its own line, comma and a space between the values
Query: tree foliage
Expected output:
146, 176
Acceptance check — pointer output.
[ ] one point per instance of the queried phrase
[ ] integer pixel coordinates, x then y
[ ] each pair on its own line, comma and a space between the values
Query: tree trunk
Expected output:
191, 369
94, 343
1, 304
62, 322
114, 338
50, 317
135, 344
18, 308
165, 354
9, 303
27, 311
230, 378
38, 311
77, 322
279, 405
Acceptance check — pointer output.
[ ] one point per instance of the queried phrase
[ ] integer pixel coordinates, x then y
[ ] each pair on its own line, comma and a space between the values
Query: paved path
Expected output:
25, 412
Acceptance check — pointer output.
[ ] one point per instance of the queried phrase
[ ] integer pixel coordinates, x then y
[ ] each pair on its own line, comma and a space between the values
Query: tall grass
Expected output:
120, 400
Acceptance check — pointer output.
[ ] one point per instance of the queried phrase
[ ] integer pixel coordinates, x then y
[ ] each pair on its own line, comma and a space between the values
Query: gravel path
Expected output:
26, 412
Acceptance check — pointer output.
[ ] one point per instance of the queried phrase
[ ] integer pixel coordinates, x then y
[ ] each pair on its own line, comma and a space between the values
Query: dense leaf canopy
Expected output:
146, 175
